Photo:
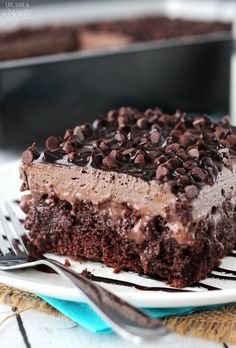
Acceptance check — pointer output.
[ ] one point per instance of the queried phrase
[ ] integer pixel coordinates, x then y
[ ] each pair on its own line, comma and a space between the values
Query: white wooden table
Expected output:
36, 330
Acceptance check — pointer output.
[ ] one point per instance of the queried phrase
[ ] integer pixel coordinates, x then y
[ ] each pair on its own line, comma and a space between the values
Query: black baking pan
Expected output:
43, 96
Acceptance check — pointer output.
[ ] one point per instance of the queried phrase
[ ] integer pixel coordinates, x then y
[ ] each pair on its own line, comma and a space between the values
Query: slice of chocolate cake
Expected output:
147, 192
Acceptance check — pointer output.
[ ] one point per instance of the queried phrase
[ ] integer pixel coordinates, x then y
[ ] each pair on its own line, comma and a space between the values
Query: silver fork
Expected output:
126, 320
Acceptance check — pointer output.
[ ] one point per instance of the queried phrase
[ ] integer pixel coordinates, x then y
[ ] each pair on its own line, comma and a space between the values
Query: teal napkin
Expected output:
84, 315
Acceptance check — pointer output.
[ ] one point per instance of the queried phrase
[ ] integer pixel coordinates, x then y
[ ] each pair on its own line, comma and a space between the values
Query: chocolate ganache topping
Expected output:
184, 151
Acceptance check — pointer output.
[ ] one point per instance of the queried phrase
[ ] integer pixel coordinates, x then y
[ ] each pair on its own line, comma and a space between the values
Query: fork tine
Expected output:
20, 232
3, 245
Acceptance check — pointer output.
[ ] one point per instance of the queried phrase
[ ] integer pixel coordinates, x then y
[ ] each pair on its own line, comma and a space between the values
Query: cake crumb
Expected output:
67, 263
86, 273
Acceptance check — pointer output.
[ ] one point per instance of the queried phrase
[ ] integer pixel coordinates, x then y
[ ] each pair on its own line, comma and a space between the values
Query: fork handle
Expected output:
124, 319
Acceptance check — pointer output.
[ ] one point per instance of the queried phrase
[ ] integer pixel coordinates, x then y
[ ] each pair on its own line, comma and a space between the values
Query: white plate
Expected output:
49, 284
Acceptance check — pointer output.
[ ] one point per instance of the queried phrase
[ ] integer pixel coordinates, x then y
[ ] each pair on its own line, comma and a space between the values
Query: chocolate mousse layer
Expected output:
147, 192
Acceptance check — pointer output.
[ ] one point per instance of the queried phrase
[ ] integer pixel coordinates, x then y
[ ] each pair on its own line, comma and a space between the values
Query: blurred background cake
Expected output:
64, 63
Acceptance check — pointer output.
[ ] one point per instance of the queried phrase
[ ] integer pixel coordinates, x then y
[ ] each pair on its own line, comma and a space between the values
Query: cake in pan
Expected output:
148, 192
52, 39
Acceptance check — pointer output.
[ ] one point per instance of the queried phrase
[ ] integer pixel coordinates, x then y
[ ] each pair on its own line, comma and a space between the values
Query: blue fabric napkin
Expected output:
84, 315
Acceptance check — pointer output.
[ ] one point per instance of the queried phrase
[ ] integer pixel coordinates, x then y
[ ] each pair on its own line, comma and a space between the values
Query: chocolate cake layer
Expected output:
148, 192
25, 42
30, 42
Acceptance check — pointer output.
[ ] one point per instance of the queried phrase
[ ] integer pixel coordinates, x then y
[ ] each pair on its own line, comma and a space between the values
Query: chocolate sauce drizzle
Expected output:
225, 270
220, 276
134, 285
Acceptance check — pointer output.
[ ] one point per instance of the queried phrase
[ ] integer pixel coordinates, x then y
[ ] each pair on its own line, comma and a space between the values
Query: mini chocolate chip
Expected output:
79, 132
109, 162
168, 119
172, 163
207, 162
156, 127
103, 146
144, 141
179, 126
224, 143
53, 143
185, 138
161, 159
193, 152
99, 123
140, 160
94, 160
112, 115
149, 112
188, 165
68, 134
191, 191
231, 139
208, 137
123, 120
128, 151
68, 147
199, 123
172, 148
200, 144
27, 157
219, 132
34, 150
223, 153
152, 120
120, 137
181, 153
115, 154
127, 110
180, 171
142, 123
161, 172
137, 115
151, 155
71, 156
225, 120
155, 137
175, 134
136, 140
198, 174
184, 180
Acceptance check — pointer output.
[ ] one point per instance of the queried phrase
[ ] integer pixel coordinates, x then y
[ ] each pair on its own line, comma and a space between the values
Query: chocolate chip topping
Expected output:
155, 137
27, 157
53, 143
109, 162
30, 154
183, 151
